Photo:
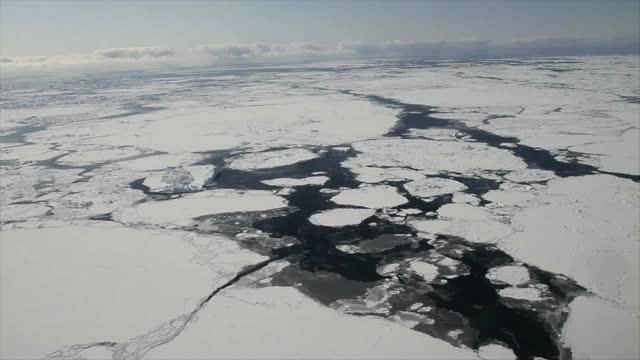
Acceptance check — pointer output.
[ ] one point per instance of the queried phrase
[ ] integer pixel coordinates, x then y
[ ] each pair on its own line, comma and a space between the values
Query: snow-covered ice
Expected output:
513, 275
177, 180
588, 318
432, 187
270, 159
341, 217
373, 197
165, 213
102, 282
199, 204
288, 182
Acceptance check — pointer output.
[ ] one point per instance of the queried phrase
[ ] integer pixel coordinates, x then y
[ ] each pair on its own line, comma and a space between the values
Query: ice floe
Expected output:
529, 175
432, 187
495, 352
234, 315
598, 329
159, 162
597, 218
289, 182
528, 293
106, 274
425, 270
373, 197
373, 175
451, 156
85, 158
266, 119
178, 180
437, 134
25, 153
463, 198
18, 212
341, 217
199, 204
508, 198
513, 275
379, 244
270, 159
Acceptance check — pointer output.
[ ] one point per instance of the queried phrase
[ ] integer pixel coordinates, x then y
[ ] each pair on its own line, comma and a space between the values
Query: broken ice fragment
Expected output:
340, 217
177, 180
373, 197
432, 187
513, 275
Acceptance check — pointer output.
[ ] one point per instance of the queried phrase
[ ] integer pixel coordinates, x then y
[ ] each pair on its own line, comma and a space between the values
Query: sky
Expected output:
60, 28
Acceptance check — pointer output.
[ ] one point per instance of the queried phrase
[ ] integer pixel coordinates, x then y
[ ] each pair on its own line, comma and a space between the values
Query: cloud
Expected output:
489, 49
247, 53
474, 49
135, 52
259, 53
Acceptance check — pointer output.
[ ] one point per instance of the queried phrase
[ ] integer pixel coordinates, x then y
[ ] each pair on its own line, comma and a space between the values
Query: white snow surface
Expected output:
199, 204
179, 179
103, 281
289, 182
270, 159
597, 219
373, 197
233, 318
583, 227
432, 187
450, 156
511, 274
341, 217
598, 329
427, 271
528, 293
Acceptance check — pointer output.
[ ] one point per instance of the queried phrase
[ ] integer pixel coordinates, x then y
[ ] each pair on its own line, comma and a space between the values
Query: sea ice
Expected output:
199, 204
427, 271
288, 182
598, 329
495, 352
232, 318
373, 197
508, 198
432, 187
341, 217
159, 162
419, 154
597, 217
25, 153
529, 293
178, 180
85, 158
373, 175
270, 159
512, 274
19, 212
104, 282
529, 175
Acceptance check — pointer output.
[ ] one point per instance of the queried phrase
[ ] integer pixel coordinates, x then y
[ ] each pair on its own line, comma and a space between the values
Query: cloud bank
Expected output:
135, 53
236, 54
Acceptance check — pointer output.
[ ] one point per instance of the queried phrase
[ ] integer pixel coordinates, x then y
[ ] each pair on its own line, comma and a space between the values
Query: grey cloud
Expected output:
264, 52
245, 53
135, 53
480, 49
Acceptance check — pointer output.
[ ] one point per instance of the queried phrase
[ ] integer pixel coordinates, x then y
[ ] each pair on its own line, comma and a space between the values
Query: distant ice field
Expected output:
385, 209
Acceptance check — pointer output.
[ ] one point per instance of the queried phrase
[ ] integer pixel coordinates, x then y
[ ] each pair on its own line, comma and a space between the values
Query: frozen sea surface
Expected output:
396, 209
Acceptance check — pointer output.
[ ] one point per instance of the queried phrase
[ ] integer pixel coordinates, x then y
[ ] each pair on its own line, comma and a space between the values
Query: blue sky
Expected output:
59, 27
